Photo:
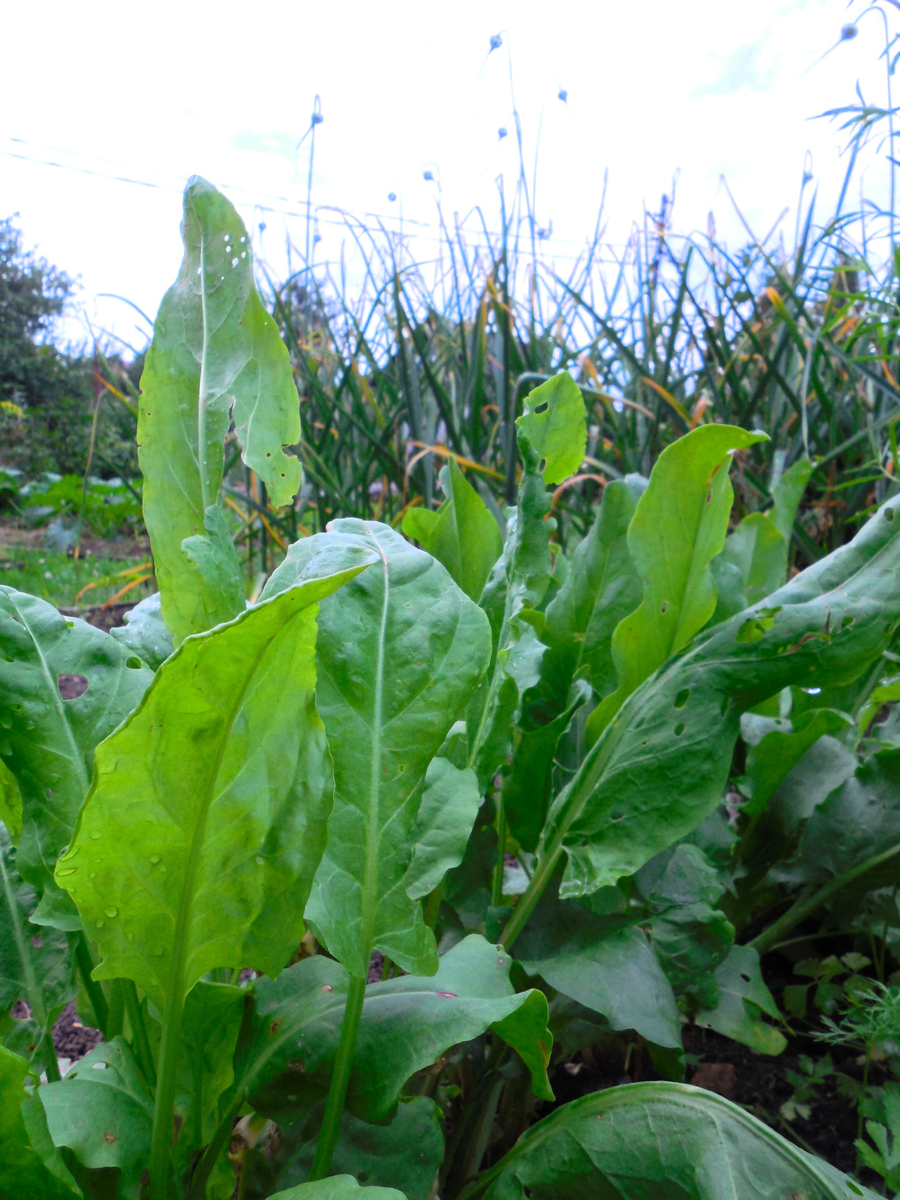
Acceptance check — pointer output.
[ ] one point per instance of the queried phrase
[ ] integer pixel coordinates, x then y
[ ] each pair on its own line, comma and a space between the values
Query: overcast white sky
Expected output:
158, 92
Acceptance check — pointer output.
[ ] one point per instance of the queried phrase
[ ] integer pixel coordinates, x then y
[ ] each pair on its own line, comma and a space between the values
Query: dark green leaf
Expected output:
103, 1112
658, 1141
603, 966
29, 1165
35, 964
407, 1023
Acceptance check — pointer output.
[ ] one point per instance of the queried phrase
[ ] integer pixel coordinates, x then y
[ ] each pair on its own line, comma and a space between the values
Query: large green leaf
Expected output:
678, 527
216, 356
400, 650
661, 766
601, 588
29, 1166
604, 966
103, 1112
338, 1187
406, 1153
198, 841
554, 423
37, 969
658, 1141
462, 534
407, 1023
47, 742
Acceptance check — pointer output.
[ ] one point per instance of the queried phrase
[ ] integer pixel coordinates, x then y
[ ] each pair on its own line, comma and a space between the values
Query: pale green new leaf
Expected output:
216, 356
103, 1112
400, 651
787, 494
406, 1024
662, 765
447, 813
10, 803
658, 1141
338, 1187
198, 841
678, 527
554, 423
47, 742
462, 534
29, 1164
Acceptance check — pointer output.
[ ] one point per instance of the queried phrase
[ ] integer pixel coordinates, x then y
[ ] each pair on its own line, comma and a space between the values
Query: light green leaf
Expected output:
462, 534
554, 423
743, 999
103, 1112
40, 974
601, 588
662, 765
216, 356
29, 1165
407, 1152
198, 841
47, 742
604, 966
678, 527
400, 651
759, 552
658, 1141
145, 632
338, 1187
787, 494
287, 1067
447, 813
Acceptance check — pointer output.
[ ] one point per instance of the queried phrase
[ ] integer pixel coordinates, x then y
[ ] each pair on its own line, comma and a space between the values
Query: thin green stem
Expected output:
138, 1031
809, 901
499, 865
85, 964
543, 873
53, 1075
115, 1022
340, 1078
164, 1107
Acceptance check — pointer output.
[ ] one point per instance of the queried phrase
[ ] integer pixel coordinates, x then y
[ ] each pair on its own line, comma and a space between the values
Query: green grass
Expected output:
57, 578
